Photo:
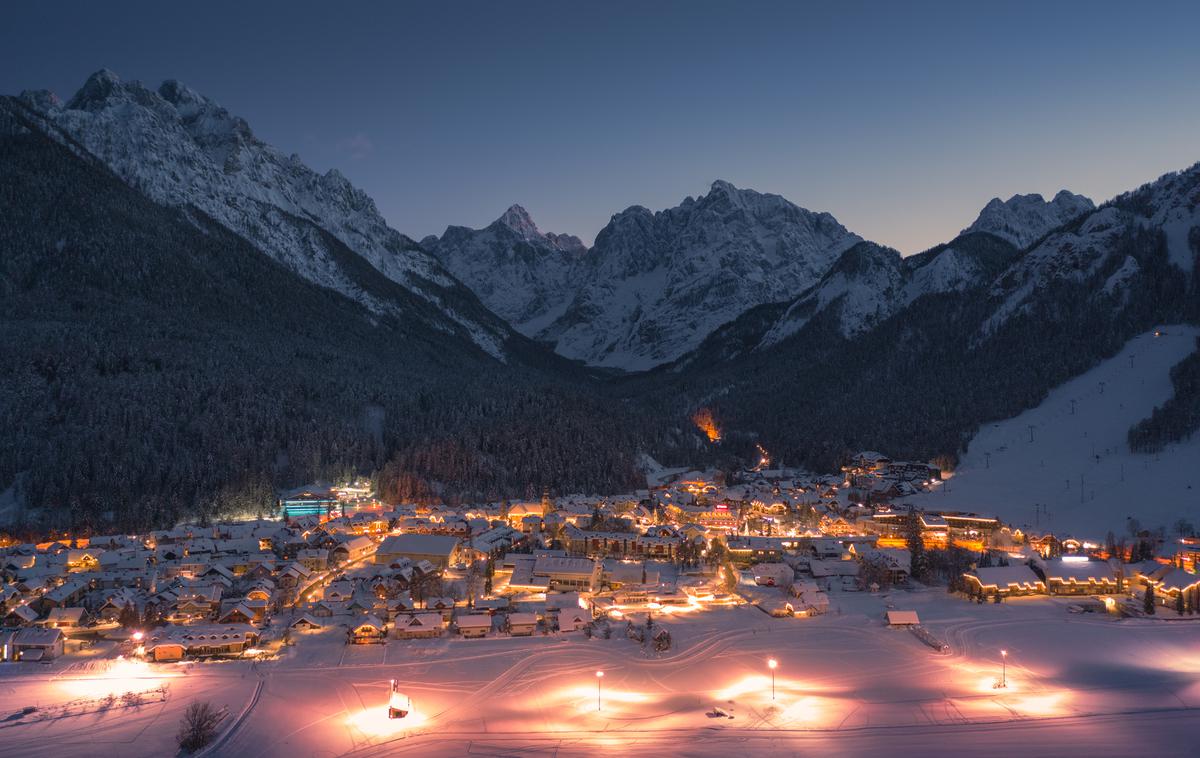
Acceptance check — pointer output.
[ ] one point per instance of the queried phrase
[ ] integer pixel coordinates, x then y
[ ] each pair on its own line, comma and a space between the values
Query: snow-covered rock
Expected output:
519, 272
1023, 219
656, 284
182, 149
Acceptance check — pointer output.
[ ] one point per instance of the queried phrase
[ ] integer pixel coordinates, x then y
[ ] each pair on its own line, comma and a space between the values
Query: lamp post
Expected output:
772, 664
1003, 668
599, 678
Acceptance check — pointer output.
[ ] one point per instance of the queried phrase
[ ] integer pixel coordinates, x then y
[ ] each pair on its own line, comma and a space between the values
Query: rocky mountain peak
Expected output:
103, 87
518, 219
1023, 219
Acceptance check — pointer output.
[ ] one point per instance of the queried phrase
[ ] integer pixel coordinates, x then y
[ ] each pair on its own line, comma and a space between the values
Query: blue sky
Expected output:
901, 119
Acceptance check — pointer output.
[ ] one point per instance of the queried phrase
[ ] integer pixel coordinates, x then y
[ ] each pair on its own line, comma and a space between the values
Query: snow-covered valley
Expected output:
846, 685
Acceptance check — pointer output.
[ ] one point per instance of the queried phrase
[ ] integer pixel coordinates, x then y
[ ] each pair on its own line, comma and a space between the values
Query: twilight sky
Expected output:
901, 119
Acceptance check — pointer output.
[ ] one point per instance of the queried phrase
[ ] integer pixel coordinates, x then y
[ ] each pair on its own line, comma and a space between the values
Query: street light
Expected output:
772, 664
1003, 668
599, 678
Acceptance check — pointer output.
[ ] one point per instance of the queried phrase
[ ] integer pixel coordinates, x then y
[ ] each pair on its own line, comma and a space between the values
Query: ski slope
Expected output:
1065, 465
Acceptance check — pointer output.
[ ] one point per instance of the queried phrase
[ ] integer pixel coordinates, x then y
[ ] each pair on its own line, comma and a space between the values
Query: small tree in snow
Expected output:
1148, 600
198, 726
128, 616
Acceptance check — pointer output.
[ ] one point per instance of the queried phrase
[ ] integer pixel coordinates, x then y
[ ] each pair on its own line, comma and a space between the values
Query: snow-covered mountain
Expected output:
1094, 245
1023, 219
656, 284
519, 272
182, 149
871, 283
865, 285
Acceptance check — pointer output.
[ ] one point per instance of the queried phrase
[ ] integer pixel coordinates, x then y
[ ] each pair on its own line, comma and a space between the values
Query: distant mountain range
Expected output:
210, 319
656, 284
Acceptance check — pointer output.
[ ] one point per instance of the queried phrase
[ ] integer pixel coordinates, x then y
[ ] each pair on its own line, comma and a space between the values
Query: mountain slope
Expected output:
1069, 455
159, 367
655, 284
518, 272
1106, 240
870, 283
966, 333
184, 150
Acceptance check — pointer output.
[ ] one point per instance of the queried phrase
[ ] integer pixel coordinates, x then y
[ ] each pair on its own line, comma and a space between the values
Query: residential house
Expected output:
439, 549
419, 625
473, 625
368, 630
522, 624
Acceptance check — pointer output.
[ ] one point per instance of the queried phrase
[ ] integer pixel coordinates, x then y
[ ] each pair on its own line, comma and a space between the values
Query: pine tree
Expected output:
919, 566
1148, 600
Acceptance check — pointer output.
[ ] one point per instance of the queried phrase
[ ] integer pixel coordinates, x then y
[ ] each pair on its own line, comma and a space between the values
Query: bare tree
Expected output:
199, 725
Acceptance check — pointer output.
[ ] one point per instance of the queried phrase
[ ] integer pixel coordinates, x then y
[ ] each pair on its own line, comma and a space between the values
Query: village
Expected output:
338, 579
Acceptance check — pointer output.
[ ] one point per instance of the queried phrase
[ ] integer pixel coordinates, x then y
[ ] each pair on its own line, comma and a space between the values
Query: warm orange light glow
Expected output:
374, 722
704, 421
122, 676
772, 663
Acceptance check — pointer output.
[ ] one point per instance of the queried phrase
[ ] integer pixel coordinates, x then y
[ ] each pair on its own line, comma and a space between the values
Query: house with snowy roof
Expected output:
522, 624
440, 550
20, 615
1173, 587
1078, 576
31, 644
419, 625
896, 561
473, 625
368, 630
353, 549
1005, 581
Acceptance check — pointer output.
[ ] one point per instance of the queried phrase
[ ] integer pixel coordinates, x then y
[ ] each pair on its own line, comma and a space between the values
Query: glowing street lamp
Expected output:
772, 664
1003, 668
599, 678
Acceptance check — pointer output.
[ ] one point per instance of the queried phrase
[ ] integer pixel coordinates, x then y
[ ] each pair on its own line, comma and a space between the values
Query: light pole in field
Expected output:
772, 664
1003, 668
599, 678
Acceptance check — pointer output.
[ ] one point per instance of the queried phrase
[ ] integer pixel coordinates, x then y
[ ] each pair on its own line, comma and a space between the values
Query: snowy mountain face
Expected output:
871, 283
520, 273
1024, 219
182, 149
656, 284
1095, 244
864, 286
